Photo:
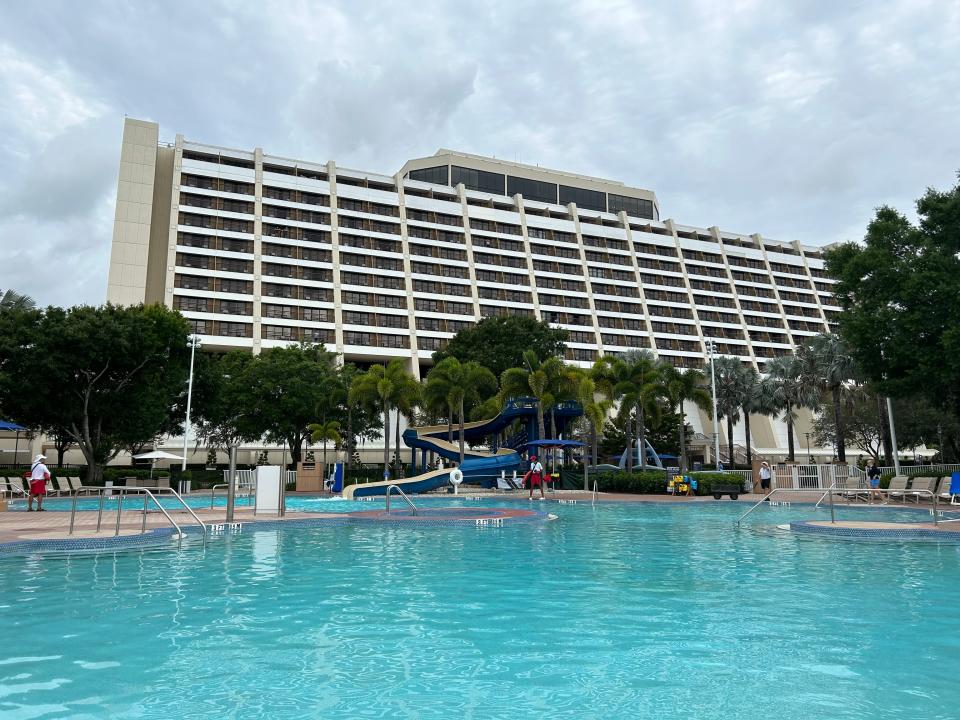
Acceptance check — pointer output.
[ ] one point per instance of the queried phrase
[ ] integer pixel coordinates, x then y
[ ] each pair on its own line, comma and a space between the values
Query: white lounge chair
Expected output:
898, 487
63, 486
945, 491
921, 488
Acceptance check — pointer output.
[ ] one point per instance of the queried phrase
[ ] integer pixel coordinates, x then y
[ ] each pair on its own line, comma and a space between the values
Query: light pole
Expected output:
193, 341
711, 349
809, 456
893, 437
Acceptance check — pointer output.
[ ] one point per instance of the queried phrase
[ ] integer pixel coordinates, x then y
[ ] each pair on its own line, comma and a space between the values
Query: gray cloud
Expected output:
793, 120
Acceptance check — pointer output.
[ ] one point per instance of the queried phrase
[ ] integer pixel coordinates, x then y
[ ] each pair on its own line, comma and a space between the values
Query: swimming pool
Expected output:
618, 611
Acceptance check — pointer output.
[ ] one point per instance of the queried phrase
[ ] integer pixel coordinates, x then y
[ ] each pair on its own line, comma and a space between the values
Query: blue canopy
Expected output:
11, 426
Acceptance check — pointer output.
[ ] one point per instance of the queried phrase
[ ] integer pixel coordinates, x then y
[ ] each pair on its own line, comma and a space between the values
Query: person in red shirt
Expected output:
534, 476
39, 474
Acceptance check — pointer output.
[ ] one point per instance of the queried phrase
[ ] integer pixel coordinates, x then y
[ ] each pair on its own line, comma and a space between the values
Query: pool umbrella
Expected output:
8, 426
155, 455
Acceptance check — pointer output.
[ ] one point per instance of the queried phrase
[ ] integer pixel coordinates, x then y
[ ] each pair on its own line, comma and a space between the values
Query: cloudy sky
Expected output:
791, 119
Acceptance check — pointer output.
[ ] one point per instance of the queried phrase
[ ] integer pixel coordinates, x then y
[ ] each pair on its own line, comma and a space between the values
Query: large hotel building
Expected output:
259, 251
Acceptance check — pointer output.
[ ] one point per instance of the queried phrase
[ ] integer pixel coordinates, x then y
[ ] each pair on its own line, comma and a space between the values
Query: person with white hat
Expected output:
39, 474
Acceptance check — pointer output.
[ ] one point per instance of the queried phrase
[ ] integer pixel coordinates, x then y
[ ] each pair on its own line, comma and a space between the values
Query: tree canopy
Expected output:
109, 377
899, 290
498, 343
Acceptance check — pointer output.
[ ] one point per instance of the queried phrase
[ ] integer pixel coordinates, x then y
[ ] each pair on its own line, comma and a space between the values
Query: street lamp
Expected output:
711, 350
893, 437
193, 342
809, 455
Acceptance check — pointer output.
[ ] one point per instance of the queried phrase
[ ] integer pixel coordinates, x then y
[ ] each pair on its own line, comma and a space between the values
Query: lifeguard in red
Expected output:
534, 476
39, 474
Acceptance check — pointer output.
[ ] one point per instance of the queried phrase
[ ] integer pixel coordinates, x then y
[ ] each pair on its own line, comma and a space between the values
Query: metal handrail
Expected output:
593, 502
248, 494
148, 493
390, 488
831, 491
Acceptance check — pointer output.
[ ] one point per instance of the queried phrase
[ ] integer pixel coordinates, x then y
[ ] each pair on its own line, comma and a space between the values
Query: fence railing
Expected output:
909, 470
813, 476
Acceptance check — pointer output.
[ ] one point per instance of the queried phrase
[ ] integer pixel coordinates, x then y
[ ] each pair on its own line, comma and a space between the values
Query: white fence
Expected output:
815, 477
909, 470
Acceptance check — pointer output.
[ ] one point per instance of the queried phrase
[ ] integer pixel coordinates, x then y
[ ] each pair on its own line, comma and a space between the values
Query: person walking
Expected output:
873, 475
535, 476
39, 474
765, 474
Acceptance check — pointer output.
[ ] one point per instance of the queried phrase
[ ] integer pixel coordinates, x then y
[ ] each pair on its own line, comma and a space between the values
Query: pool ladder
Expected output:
391, 488
148, 495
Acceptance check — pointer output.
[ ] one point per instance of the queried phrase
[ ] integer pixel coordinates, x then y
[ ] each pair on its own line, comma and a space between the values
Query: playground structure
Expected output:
480, 467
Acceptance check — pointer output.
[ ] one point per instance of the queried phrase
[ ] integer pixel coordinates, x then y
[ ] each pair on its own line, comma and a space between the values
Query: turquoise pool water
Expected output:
618, 611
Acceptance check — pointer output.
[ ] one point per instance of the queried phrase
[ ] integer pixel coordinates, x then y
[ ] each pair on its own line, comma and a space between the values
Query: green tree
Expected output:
785, 390
543, 380
12, 300
285, 386
383, 385
221, 400
327, 431
734, 382
826, 364
499, 343
466, 384
898, 292
679, 387
108, 376
595, 408
635, 381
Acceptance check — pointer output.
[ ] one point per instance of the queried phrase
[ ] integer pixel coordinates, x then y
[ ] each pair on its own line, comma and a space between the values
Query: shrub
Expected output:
654, 482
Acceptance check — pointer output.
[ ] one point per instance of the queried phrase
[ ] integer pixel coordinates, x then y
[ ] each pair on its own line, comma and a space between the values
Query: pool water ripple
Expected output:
609, 612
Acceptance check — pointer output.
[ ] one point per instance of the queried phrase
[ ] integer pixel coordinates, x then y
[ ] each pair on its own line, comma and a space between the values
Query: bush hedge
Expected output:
654, 482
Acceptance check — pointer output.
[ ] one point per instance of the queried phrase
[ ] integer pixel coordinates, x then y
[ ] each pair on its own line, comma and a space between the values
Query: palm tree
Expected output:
827, 363
679, 387
436, 395
385, 386
785, 390
753, 402
733, 389
634, 380
595, 408
536, 378
466, 383
322, 432
12, 300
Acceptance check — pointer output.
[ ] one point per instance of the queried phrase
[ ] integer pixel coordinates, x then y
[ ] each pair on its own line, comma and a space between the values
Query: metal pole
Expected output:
231, 482
194, 341
713, 391
893, 437
116, 530
100, 510
283, 483
833, 518
143, 525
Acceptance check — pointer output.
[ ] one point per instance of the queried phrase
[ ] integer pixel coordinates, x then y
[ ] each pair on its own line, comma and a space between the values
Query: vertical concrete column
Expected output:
715, 232
813, 283
636, 270
686, 282
584, 268
758, 239
518, 202
335, 244
257, 248
407, 278
172, 220
468, 244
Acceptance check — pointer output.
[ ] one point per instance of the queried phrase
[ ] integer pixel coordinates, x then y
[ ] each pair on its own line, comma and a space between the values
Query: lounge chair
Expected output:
944, 491
922, 488
4, 487
853, 489
17, 486
898, 487
63, 486
77, 487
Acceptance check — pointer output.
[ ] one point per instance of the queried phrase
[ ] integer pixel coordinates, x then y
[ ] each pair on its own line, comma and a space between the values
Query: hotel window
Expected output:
587, 199
391, 301
199, 326
357, 338
392, 321
477, 179
285, 312
192, 282
312, 293
240, 287
632, 206
279, 332
318, 335
234, 307
192, 304
532, 189
229, 329
394, 341
435, 175
353, 317
315, 314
